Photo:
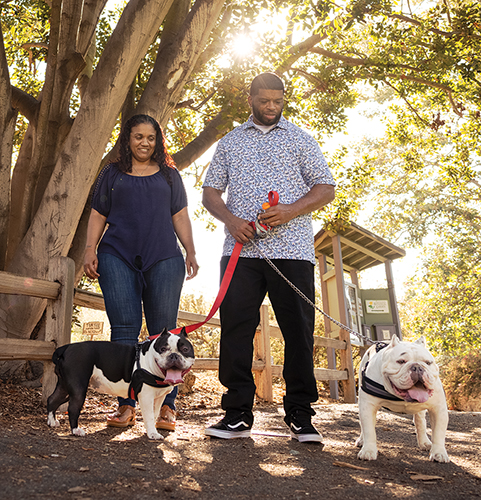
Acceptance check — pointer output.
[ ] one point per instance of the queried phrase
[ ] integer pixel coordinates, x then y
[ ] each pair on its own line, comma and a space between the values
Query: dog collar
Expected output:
372, 387
141, 377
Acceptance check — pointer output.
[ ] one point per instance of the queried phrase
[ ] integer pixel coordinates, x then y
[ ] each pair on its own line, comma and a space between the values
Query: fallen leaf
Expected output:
84, 469
423, 477
77, 489
349, 466
88, 449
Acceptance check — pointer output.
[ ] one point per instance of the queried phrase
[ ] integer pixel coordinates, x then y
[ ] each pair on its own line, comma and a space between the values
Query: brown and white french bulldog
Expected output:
403, 377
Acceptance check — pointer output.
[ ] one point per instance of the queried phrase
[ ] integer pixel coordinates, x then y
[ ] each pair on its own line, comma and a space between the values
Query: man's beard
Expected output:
260, 118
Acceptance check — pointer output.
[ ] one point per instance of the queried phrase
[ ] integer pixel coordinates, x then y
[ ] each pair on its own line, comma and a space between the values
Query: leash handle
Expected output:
262, 230
273, 198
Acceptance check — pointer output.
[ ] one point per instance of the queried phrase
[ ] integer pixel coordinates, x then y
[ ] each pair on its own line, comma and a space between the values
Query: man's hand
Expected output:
240, 229
319, 196
277, 215
237, 227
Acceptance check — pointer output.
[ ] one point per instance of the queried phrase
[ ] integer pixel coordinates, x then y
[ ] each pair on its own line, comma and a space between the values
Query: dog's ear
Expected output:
394, 341
183, 333
421, 340
161, 334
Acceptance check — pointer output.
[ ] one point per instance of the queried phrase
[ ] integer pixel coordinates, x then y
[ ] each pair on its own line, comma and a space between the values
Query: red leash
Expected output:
273, 198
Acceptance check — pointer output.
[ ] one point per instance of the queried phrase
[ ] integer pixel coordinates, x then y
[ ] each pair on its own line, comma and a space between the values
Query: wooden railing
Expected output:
60, 294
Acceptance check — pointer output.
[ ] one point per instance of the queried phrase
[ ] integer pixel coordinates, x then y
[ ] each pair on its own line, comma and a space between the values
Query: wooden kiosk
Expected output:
343, 253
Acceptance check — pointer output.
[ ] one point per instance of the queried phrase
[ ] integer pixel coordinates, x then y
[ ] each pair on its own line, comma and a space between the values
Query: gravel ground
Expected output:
39, 462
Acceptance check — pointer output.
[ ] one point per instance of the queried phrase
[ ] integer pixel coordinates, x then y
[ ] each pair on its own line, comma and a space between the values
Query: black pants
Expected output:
240, 316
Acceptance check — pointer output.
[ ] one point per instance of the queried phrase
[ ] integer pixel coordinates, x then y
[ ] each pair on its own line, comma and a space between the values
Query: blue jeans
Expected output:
125, 291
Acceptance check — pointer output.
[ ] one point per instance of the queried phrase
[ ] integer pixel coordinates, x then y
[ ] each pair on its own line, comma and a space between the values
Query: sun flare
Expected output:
243, 46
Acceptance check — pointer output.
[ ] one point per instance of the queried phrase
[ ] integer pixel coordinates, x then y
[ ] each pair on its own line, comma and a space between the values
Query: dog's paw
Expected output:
359, 442
439, 454
52, 421
78, 432
154, 435
425, 444
367, 453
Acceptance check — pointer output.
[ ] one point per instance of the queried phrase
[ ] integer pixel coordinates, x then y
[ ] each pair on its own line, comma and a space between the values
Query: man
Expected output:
267, 153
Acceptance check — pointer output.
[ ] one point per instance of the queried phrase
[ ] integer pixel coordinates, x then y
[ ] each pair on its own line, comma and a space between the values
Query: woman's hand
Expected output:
91, 263
183, 230
95, 229
191, 266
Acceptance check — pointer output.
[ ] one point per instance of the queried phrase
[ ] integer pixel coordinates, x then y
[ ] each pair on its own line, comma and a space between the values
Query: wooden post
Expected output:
349, 385
58, 325
262, 352
330, 352
392, 298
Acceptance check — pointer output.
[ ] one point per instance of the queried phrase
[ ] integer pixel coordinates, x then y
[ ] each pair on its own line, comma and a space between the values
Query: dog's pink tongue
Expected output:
173, 376
418, 394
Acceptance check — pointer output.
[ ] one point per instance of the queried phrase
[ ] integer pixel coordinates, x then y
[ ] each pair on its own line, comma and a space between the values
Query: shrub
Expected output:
461, 378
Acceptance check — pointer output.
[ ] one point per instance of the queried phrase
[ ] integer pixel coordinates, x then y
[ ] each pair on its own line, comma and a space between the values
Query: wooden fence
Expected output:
61, 296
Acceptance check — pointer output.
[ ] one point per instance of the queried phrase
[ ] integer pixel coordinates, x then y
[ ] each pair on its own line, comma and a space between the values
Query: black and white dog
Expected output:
146, 372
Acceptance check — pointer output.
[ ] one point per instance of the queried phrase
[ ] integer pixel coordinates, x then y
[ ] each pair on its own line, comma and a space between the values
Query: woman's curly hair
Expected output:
161, 156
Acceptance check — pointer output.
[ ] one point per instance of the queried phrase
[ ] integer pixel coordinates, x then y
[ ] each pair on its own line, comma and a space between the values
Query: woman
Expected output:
141, 201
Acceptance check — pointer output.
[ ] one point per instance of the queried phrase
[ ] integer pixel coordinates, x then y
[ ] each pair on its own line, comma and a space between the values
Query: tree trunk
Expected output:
176, 59
7, 129
53, 227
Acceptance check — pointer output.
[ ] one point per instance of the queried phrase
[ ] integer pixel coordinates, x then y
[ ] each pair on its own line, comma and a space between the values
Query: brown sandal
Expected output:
166, 420
123, 417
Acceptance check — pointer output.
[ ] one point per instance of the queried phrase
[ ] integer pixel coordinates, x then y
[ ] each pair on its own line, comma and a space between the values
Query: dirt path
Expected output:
38, 462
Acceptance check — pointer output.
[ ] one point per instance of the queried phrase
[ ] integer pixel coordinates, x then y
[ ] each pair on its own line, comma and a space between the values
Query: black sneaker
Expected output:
237, 426
301, 428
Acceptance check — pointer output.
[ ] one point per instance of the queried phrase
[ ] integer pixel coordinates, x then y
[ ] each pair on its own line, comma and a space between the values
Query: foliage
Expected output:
205, 339
443, 300
26, 31
418, 184
462, 379
425, 65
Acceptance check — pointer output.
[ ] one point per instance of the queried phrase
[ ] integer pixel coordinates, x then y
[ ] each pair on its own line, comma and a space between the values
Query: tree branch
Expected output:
213, 131
217, 40
353, 61
448, 34
26, 104
408, 103
448, 91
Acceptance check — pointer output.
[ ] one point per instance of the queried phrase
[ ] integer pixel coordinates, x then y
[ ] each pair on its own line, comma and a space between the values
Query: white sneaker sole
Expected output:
307, 438
219, 433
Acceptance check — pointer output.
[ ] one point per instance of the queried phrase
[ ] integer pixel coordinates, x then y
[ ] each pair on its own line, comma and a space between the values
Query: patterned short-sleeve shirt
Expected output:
248, 164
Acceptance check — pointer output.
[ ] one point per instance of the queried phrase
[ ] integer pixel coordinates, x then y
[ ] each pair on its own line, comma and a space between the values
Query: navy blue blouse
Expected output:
139, 214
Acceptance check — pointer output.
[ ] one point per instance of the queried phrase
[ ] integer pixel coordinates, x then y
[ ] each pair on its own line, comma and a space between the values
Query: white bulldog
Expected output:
404, 378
